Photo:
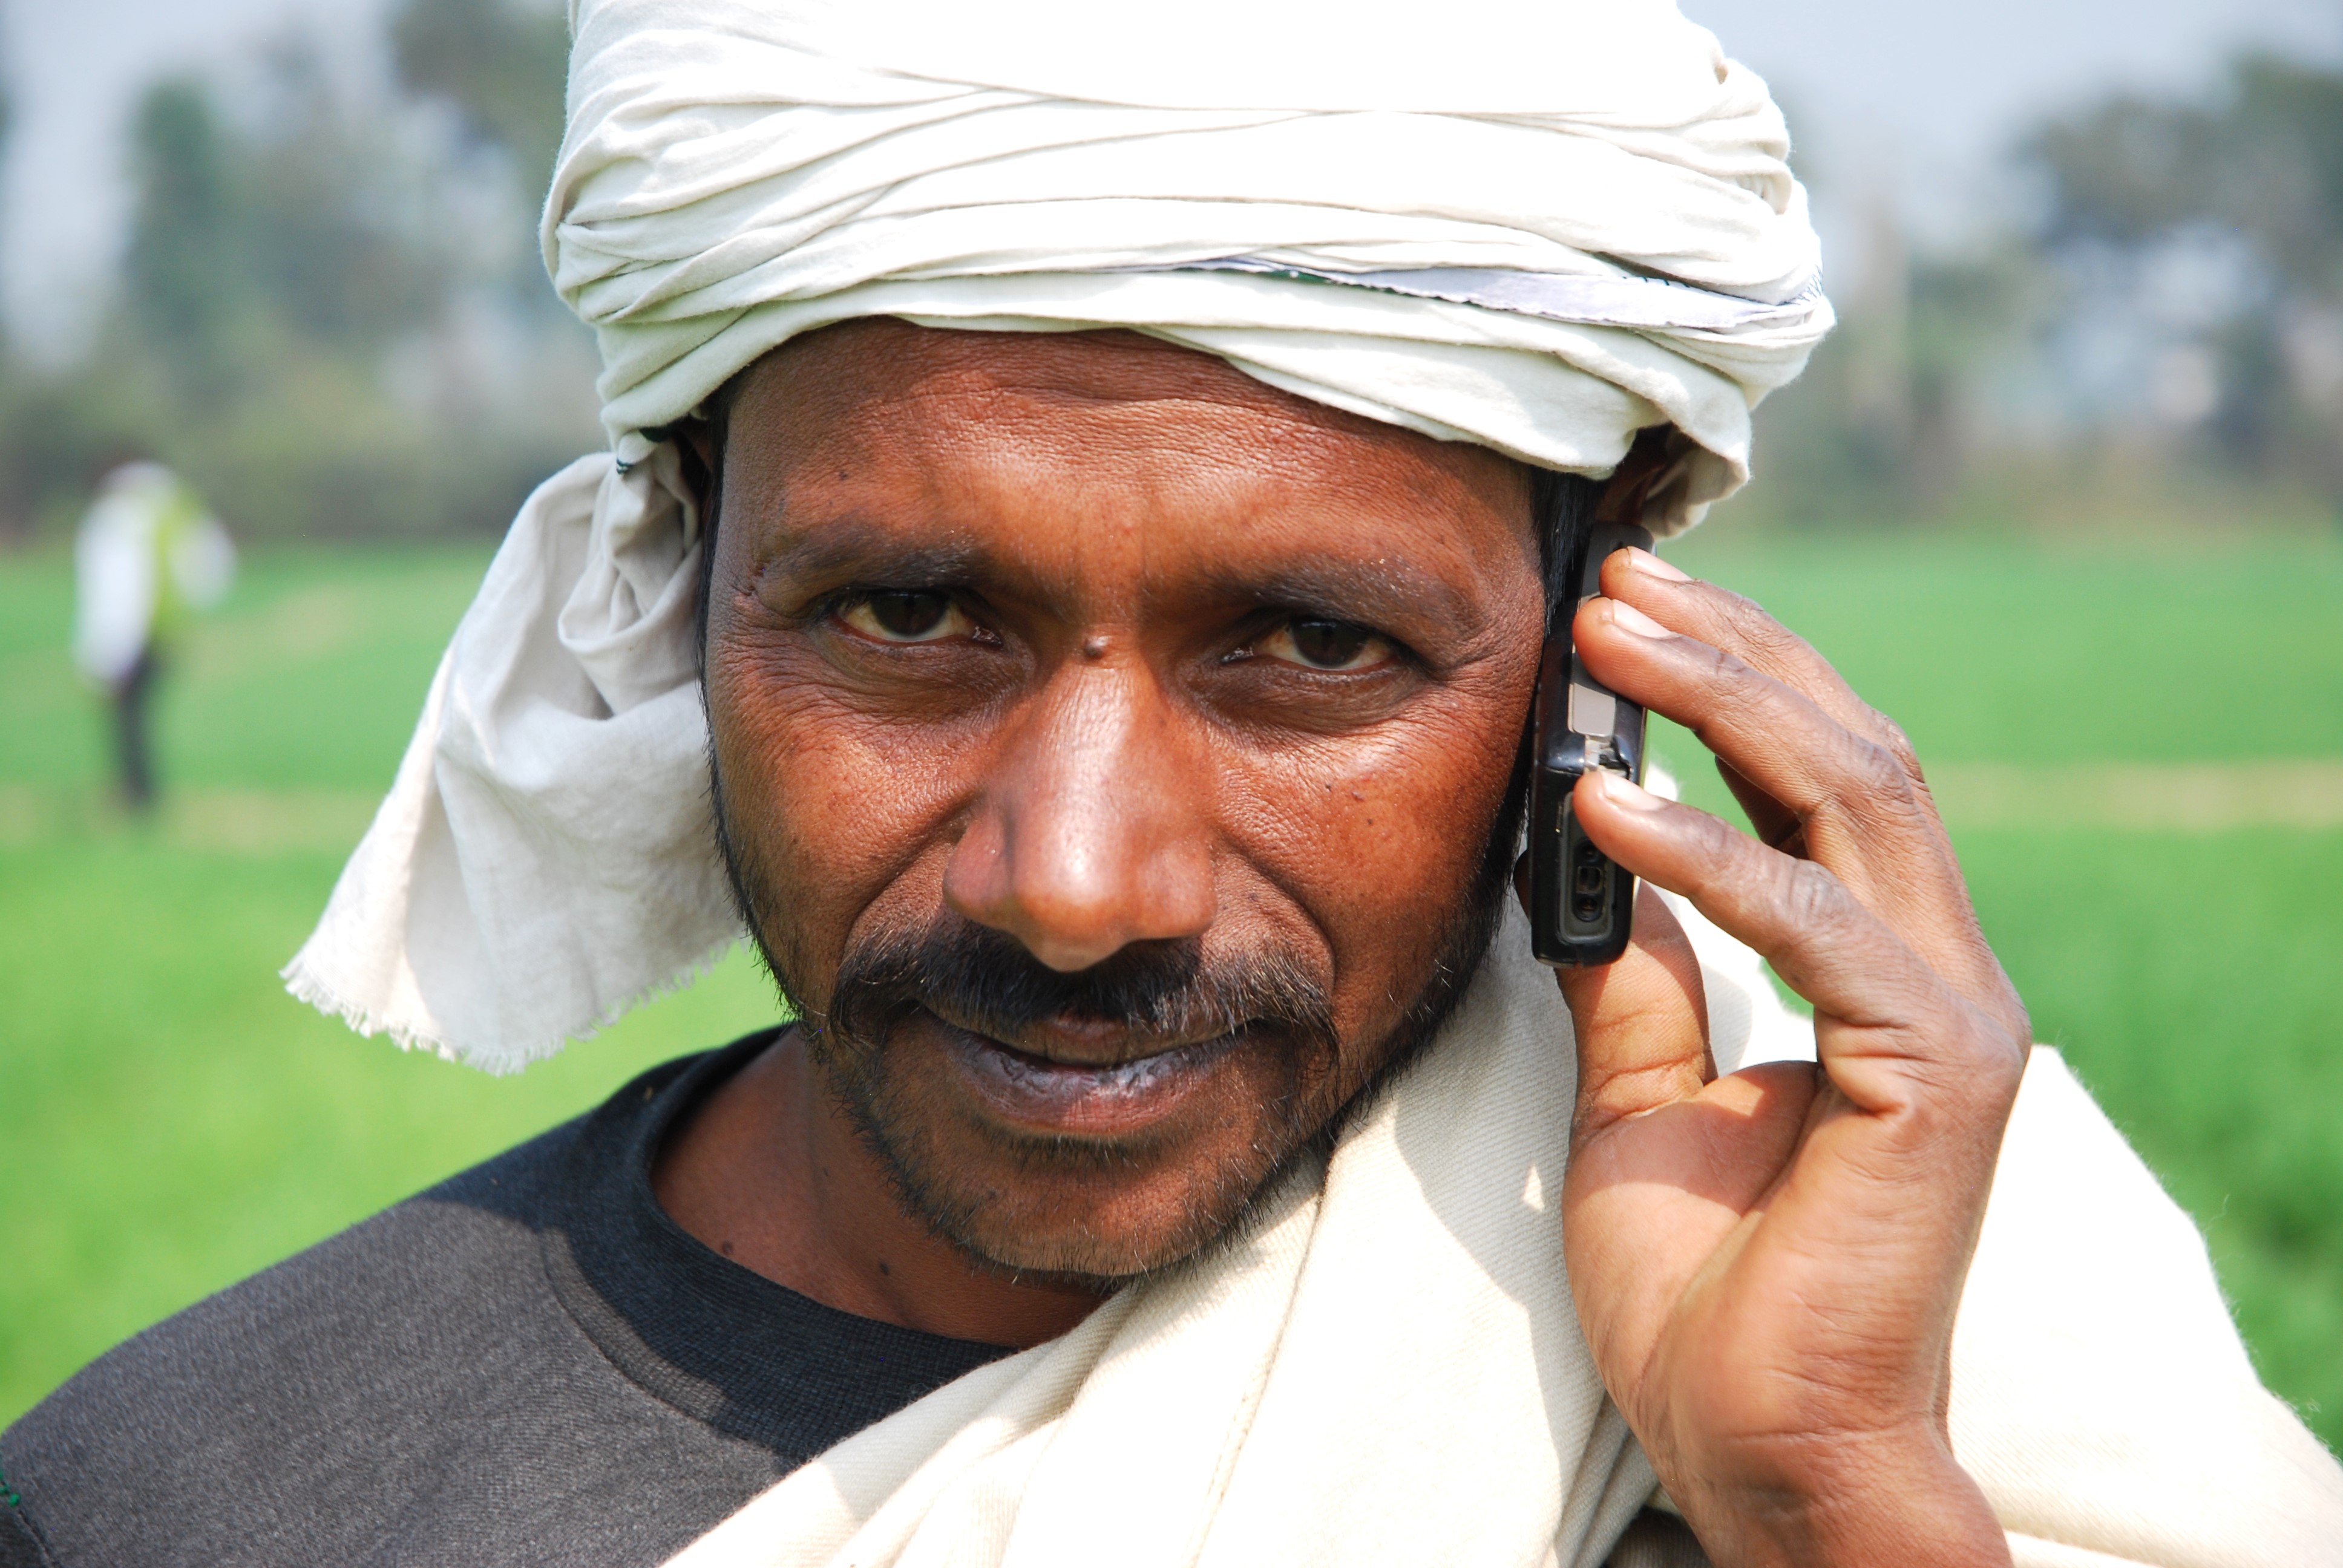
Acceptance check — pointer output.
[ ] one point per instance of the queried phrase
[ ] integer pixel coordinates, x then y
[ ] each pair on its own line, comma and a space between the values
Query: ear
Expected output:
695, 440
1651, 465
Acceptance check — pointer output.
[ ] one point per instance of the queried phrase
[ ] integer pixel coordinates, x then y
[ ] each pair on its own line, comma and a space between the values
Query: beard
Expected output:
1259, 999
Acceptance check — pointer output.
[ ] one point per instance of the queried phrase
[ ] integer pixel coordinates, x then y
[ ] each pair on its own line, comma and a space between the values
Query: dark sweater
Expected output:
528, 1364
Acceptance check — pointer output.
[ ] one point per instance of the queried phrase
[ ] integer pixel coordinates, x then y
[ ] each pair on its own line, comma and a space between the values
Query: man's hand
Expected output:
1767, 1265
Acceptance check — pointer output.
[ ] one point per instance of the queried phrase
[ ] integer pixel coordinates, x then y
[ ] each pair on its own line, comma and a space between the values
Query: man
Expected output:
147, 556
1071, 592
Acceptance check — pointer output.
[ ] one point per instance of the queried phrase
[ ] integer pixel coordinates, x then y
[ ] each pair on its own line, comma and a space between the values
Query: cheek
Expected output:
1378, 838
836, 813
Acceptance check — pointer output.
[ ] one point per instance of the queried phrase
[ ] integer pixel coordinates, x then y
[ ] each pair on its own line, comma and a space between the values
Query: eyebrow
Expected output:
848, 549
1389, 591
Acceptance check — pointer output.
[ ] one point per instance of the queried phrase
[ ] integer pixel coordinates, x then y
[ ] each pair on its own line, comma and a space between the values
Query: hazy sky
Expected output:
74, 68
1926, 97
1915, 96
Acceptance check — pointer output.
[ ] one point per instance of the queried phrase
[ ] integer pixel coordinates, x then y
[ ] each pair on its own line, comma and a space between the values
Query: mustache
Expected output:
1162, 993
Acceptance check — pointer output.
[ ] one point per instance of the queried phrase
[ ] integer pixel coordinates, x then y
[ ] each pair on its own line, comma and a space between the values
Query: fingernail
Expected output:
1650, 565
1626, 792
1627, 618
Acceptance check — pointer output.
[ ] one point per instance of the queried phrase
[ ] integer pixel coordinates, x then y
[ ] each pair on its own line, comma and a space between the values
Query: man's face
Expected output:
1109, 751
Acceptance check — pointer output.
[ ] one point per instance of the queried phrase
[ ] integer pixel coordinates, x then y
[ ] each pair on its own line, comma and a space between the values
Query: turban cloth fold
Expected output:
1536, 226
1540, 228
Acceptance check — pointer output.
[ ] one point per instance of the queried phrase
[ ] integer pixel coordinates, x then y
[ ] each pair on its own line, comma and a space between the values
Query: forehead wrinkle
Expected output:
1086, 431
1096, 368
1020, 431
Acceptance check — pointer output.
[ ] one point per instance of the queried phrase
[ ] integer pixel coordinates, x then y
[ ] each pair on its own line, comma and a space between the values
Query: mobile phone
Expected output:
1582, 903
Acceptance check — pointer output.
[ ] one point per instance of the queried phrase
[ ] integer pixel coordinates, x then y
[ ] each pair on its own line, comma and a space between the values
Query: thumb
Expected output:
1642, 1023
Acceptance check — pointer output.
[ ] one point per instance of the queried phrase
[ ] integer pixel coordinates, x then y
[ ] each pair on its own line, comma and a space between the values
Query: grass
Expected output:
170, 1121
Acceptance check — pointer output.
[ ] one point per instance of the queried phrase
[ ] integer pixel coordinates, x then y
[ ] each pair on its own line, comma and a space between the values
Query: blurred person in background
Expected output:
149, 555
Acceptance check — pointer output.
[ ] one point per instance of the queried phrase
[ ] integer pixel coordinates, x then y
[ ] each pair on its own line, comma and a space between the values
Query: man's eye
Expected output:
1326, 645
915, 615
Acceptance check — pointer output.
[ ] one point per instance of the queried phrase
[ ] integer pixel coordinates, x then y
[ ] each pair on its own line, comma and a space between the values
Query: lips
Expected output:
1083, 1100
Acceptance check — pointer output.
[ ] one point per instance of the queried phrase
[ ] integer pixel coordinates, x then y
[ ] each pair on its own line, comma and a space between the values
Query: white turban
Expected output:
1536, 226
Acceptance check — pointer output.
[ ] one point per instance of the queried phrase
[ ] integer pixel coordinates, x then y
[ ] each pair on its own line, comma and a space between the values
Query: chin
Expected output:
1095, 1173
1073, 1230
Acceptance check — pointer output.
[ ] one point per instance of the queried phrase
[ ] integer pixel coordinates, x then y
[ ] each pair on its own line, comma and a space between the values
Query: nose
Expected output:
1089, 834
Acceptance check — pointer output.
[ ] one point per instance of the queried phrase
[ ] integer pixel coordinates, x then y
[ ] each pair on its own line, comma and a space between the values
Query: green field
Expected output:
170, 1120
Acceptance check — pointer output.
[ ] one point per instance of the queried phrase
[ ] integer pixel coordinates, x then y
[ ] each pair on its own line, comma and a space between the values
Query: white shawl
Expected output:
1389, 1370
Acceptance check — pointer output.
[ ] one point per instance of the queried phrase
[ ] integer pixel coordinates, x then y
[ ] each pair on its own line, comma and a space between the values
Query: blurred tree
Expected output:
329, 237
2282, 180
2136, 187
286, 229
2267, 160
1884, 424
317, 318
2124, 171
2171, 310
181, 282
503, 63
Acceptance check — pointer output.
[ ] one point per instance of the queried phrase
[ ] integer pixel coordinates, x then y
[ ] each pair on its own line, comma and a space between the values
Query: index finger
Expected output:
1890, 1029
1823, 760
1724, 619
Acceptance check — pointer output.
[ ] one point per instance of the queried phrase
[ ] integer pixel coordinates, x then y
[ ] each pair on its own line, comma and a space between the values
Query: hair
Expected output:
1563, 508
708, 479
